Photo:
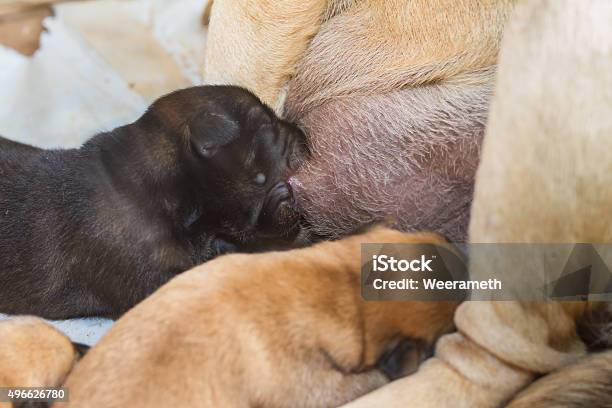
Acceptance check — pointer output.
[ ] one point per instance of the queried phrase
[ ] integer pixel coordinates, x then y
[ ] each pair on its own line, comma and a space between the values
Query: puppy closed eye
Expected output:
260, 179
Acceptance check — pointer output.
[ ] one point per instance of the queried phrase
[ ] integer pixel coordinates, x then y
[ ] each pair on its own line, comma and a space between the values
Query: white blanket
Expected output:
99, 65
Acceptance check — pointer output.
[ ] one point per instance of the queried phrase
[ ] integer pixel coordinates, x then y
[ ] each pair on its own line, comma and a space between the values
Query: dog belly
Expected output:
408, 156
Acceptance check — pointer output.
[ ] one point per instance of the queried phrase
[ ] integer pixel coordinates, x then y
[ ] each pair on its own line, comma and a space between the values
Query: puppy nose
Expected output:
279, 212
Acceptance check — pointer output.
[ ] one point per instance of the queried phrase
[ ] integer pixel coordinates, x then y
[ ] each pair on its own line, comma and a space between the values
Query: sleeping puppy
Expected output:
280, 329
33, 354
94, 230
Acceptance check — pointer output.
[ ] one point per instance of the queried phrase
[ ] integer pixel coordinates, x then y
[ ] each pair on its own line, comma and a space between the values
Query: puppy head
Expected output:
241, 155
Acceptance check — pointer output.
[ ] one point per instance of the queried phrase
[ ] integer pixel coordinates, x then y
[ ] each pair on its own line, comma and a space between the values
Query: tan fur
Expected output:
271, 330
584, 384
276, 330
393, 96
544, 177
270, 35
364, 46
377, 47
33, 354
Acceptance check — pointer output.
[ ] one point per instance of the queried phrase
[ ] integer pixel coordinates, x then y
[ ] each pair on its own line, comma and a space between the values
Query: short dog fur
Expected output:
33, 354
393, 96
544, 178
500, 347
94, 230
584, 384
280, 329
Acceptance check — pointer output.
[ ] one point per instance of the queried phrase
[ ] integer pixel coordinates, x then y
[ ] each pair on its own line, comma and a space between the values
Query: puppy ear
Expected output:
208, 132
300, 150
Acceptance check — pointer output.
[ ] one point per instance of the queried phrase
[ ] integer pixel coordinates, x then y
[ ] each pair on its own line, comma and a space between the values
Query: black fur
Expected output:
94, 230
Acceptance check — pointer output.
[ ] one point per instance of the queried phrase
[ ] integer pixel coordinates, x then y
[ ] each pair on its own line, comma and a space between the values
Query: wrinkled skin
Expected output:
393, 97
399, 157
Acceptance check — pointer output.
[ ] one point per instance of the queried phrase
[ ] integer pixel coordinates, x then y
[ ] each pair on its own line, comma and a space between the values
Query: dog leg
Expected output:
279, 329
378, 47
257, 44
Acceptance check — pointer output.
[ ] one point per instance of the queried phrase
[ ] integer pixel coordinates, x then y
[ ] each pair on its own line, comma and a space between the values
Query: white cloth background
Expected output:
99, 66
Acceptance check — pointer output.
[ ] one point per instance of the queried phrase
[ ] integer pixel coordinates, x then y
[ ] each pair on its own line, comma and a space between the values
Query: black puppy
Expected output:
94, 230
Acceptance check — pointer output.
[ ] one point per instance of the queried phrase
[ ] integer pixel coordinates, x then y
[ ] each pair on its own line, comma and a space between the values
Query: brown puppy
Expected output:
33, 354
281, 329
393, 96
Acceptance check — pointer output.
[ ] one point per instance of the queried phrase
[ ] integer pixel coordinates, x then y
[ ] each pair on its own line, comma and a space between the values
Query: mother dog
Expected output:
393, 96
449, 48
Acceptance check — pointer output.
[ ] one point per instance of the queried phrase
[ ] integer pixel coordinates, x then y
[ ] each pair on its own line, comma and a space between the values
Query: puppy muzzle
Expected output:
280, 211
